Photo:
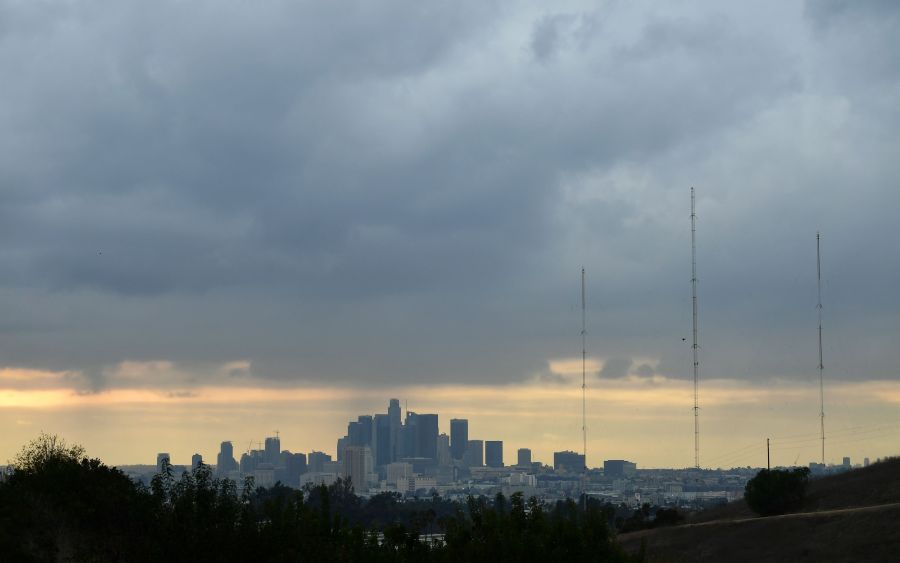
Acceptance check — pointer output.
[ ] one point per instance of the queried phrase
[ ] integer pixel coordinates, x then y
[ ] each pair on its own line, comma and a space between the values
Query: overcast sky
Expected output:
380, 194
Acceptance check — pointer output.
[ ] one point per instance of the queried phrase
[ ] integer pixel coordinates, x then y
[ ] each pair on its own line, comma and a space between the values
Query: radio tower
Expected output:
583, 375
821, 364
695, 346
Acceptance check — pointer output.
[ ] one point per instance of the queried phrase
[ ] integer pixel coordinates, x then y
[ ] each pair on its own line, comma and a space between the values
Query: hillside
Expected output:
848, 517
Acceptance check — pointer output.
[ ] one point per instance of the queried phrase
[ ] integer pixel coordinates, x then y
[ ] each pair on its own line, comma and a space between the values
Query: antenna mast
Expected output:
695, 346
583, 373
821, 364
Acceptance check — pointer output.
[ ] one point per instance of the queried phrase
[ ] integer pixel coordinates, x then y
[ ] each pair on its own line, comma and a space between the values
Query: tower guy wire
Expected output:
695, 346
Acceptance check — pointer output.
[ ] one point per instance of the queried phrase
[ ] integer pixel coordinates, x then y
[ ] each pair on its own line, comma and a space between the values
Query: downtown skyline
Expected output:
221, 220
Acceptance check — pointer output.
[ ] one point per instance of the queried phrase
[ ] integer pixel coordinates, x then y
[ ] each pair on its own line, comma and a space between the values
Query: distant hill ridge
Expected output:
852, 516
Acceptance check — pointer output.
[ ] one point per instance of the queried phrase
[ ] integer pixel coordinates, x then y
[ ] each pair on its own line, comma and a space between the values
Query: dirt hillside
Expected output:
854, 516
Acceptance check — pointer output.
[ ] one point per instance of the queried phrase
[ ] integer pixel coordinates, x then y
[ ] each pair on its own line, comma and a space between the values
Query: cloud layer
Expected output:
406, 193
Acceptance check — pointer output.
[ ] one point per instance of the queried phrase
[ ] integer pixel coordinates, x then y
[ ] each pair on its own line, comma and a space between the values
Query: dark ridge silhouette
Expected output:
851, 516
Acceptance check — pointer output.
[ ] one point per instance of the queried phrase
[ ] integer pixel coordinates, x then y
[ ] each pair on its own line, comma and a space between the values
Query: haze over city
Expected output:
223, 219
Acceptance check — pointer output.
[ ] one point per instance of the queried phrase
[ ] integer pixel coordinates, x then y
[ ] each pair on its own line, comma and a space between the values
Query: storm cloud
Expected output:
398, 192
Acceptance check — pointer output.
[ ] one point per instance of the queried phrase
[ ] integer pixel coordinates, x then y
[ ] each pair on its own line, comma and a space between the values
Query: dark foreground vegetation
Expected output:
59, 505
777, 491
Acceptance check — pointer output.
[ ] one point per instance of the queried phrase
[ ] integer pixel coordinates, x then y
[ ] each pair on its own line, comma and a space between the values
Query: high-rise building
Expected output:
316, 460
394, 416
570, 461
342, 445
366, 430
225, 460
459, 437
272, 451
493, 453
408, 436
618, 468
474, 456
196, 461
384, 445
162, 458
354, 437
292, 466
443, 450
398, 473
524, 457
426, 436
357, 466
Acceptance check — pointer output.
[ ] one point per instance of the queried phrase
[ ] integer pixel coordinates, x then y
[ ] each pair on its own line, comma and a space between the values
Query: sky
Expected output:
222, 218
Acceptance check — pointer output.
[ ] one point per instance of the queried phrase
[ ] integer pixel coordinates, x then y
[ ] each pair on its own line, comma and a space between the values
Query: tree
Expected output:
777, 491
43, 450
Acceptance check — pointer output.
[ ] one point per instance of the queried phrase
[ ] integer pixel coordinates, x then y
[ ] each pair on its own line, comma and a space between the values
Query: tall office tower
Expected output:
394, 416
357, 466
294, 465
225, 460
459, 437
426, 436
568, 461
315, 461
342, 445
408, 436
273, 450
383, 444
366, 430
196, 461
524, 458
250, 461
493, 453
353, 435
474, 456
443, 450
159, 461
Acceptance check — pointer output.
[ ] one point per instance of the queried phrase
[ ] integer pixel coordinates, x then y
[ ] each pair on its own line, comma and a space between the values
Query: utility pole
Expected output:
768, 462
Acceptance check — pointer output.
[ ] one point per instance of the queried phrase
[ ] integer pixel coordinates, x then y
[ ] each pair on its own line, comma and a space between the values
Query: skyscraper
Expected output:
366, 430
459, 437
225, 460
524, 457
394, 416
315, 461
493, 453
196, 461
161, 459
474, 456
427, 435
443, 450
272, 451
384, 445
357, 466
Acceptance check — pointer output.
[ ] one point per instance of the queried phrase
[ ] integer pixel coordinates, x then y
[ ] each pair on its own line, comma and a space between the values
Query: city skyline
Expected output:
226, 219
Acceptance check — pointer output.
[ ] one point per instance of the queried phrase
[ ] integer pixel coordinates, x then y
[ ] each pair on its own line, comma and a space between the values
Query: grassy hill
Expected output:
854, 516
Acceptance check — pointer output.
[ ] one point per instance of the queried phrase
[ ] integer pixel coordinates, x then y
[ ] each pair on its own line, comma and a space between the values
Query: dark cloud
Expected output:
407, 193
615, 368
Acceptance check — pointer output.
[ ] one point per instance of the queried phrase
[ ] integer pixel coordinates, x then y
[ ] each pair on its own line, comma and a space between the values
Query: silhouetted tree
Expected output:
777, 491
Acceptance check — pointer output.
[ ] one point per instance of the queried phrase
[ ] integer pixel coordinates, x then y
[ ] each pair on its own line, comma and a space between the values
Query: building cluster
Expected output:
387, 452
405, 454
